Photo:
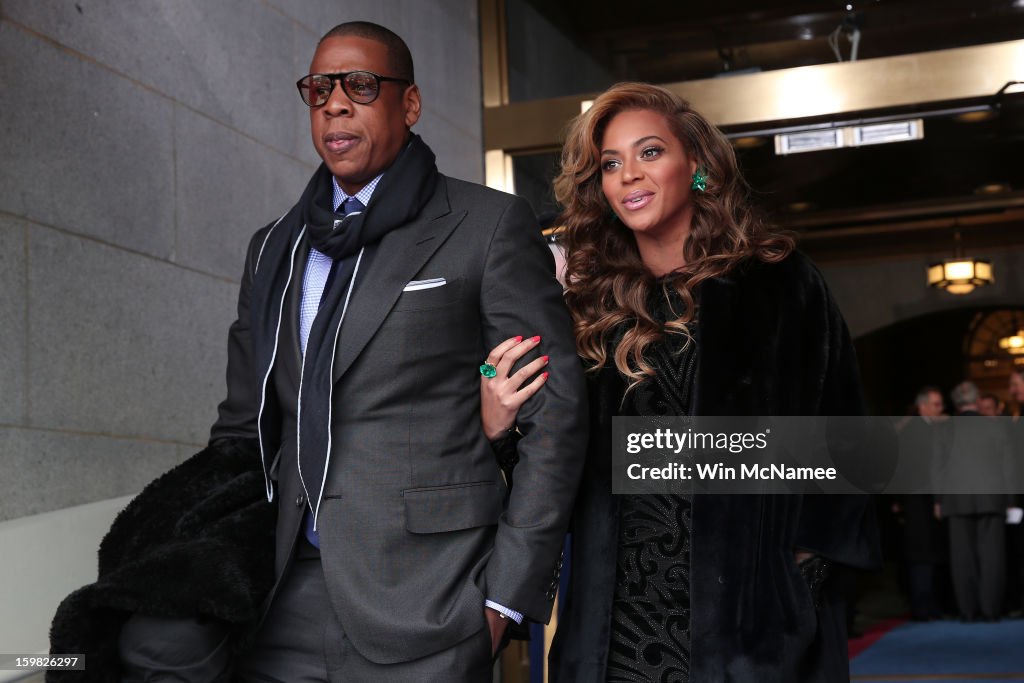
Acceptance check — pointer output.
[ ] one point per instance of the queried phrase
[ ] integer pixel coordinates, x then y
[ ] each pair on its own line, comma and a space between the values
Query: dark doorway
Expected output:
939, 349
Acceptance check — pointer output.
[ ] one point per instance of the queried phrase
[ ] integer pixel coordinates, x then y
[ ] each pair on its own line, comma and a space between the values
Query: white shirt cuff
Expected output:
510, 613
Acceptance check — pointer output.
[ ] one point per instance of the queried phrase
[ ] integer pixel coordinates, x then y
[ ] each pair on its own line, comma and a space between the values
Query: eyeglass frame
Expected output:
340, 77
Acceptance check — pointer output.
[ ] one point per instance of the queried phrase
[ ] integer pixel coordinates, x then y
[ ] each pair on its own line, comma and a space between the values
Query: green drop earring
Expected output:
700, 179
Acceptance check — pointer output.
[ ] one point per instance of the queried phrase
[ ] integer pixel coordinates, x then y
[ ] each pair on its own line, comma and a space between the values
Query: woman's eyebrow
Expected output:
635, 144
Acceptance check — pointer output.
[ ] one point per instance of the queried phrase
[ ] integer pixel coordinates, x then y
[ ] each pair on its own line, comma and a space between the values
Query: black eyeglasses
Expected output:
360, 86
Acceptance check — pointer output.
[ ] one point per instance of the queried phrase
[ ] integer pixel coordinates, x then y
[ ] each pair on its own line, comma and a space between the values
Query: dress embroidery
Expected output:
650, 639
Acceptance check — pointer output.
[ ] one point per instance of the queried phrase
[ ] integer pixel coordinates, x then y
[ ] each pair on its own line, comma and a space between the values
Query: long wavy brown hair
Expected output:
608, 289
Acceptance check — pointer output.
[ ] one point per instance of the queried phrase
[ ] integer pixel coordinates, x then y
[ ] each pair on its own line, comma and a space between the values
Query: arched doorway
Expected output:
939, 349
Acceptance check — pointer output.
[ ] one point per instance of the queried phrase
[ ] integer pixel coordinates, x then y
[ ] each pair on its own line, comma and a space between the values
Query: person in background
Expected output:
989, 405
979, 461
922, 540
1015, 532
1016, 389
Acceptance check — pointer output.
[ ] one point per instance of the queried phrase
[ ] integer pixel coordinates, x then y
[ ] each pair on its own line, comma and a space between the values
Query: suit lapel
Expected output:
395, 261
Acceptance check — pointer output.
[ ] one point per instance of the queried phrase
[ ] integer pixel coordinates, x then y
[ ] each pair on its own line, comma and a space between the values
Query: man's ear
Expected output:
412, 104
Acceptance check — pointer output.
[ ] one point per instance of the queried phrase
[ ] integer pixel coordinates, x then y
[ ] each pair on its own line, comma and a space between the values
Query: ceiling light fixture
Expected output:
747, 142
976, 116
960, 274
993, 188
818, 139
809, 141
813, 142
1013, 343
881, 133
800, 87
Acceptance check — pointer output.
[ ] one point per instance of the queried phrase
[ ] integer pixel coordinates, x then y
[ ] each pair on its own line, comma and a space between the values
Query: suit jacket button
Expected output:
299, 500
337, 224
550, 595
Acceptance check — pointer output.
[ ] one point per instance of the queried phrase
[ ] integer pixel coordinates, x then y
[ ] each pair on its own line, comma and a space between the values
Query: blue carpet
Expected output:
944, 648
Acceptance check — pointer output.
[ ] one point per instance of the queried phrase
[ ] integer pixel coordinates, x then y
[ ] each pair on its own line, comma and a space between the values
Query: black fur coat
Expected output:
198, 541
772, 342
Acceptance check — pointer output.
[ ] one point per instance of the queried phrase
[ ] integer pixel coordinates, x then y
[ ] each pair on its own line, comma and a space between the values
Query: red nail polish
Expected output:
546, 375
536, 339
546, 358
519, 339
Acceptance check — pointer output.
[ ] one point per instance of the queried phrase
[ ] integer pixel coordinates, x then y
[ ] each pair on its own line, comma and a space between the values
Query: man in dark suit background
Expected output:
363, 316
1015, 532
923, 545
979, 463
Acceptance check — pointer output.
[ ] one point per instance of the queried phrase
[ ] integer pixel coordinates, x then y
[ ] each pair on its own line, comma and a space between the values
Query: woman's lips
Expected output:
339, 143
634, 201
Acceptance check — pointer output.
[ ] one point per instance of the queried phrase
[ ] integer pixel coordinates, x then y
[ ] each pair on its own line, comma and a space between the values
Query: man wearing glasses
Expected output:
363, 317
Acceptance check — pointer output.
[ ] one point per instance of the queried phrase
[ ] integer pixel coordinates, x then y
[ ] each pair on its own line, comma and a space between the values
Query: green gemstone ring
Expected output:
488, 370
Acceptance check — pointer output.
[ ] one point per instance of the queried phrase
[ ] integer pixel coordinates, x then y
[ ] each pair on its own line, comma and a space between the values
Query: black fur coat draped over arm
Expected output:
198, 541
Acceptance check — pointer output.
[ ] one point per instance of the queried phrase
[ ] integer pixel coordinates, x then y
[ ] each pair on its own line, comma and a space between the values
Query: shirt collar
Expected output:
340, 196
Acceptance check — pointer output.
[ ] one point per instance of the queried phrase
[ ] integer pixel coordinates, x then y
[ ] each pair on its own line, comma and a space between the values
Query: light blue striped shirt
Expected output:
318, 266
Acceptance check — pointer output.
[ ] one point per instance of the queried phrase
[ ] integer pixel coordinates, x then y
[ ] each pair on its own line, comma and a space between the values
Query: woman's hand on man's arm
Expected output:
503, 395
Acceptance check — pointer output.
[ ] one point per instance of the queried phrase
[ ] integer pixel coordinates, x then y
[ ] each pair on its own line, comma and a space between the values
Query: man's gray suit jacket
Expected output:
979, 462
416, 525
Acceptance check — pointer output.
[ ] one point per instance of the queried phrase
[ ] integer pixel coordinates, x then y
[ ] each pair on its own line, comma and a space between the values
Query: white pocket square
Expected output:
415, 285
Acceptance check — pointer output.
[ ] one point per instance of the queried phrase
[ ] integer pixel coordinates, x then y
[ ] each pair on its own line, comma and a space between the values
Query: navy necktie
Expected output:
349, 206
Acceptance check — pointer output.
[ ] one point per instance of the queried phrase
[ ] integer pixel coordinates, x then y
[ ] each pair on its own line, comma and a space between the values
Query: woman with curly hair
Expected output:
685, 302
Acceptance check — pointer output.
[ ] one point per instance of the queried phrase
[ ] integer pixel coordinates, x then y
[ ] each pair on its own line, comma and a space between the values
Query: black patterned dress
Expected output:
650, 636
